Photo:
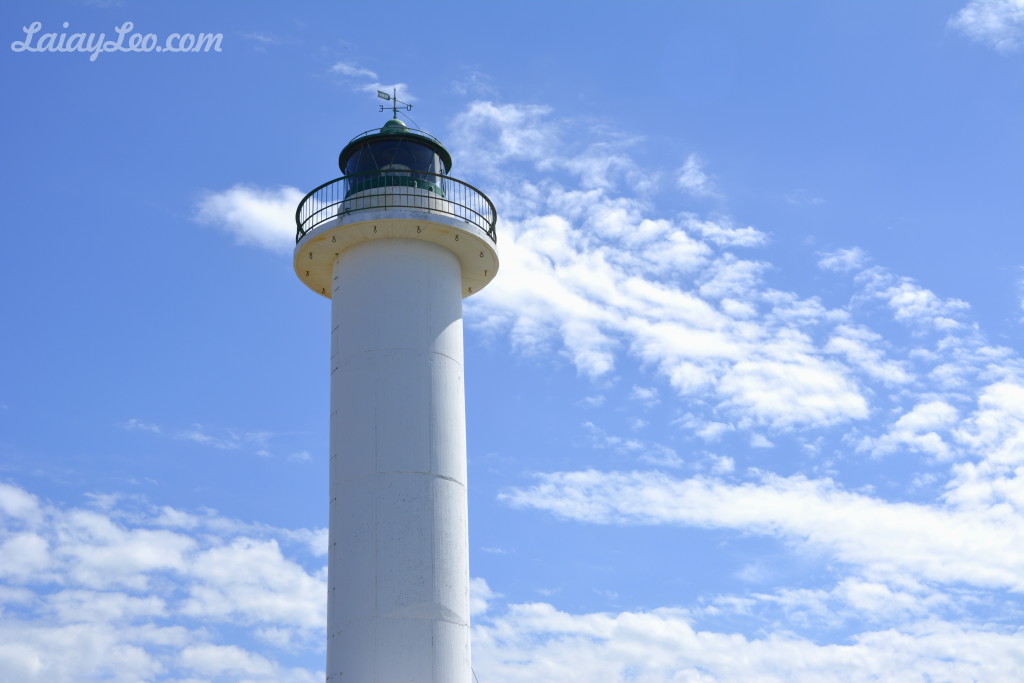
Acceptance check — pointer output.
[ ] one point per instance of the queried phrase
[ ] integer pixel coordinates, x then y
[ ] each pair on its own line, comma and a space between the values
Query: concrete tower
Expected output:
396, 243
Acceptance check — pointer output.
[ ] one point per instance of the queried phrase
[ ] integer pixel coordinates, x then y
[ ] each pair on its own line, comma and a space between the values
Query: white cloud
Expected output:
656, 454
18, 503
609, 286
708, 430
252, 582
843, 260
496, 550
361, 75
538, 643
214, 660
261, 217
592, 273
998, 23
979, 547
135, 424
692, 178
712, 431
228, 439
1020, 301
918, 430
262, 38
353, 71
69, 606
994, 433
474, 83
88, 595
722, 464
24, 554
997, 428
793, 392
854, 601
398, 90
860, 347
723, 234
588, 271
803, 197
100, 553
480, 596
659, 455
225, 439
31, 652
601, 439
910, 302
501, 132
646, 395
881, 601
229, 662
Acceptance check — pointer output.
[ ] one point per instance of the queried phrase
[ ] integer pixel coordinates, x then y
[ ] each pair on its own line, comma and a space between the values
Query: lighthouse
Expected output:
396, 243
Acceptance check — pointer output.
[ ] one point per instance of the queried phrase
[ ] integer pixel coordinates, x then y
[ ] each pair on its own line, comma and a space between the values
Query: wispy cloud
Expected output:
865, 350
982, 547
997, 23
224, 439
645, 395
592, 274
656, 454
843, 260
261, 38
254, 216
480, 596
474, 83
537, 643
886, 368
1020, 293
803, 197
589, 268
722, 233
366, 80
885, 371
353, 71
135, 424
692, 178
706, 429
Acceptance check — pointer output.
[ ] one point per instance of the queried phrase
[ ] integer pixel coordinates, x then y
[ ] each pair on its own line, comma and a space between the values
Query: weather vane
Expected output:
394, 101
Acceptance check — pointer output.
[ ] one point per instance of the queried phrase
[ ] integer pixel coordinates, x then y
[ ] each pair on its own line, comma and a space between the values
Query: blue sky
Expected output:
745, 402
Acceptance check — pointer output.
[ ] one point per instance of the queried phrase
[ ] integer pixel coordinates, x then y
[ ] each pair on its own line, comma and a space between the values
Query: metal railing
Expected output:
394, 189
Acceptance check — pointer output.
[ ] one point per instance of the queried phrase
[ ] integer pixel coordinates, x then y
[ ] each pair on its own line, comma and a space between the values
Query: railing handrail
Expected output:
458, 198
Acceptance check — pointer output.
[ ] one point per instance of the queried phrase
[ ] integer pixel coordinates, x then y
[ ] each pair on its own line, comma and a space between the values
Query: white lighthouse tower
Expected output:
396, 244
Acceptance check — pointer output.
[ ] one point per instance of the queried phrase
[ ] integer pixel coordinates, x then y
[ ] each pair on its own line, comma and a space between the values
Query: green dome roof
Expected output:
394, 126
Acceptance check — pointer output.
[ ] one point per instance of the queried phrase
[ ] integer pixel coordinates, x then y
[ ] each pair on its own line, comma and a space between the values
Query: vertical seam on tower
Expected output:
376, 541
